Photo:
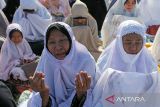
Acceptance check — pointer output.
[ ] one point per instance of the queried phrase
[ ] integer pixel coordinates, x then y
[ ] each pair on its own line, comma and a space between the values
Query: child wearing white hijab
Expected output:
34, 18
15, 52
127, 8
60, 62
115, 56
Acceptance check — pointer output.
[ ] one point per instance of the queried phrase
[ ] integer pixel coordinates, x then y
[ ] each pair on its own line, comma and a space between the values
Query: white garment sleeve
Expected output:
35, 100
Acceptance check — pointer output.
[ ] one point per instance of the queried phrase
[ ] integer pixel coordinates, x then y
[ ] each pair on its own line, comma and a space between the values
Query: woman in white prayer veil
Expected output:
127, 52
59, 9
127, 89
149, 13
85, 28
121, 7
62, 58
34, 18
155, 49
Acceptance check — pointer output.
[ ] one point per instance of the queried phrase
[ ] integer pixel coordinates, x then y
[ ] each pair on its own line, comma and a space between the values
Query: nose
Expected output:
58, 46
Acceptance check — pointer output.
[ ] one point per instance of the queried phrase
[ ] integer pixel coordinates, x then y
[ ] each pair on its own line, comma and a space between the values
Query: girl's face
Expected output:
132, 43
129, 5
58, 44
16, 37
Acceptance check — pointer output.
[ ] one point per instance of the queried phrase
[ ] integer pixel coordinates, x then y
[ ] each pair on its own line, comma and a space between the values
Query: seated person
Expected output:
62, 59
15, 52
128, 52
85, 28
120, 7
34, 18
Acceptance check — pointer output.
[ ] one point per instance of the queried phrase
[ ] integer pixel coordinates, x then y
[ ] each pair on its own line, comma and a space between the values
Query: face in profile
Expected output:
129, 5
16, 37
58, 44
132, 43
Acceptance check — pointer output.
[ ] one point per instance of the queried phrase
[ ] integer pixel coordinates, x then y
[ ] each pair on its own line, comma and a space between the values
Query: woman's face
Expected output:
129, 5
58, 44
132, 43
16, 37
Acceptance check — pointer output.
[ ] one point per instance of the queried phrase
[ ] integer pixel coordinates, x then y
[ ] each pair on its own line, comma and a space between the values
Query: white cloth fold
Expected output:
118, 84
34, 23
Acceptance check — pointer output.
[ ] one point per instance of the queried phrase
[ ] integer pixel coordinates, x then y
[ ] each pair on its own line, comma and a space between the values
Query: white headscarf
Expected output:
60, 74
116, 9
155, 49
2, 4
4, 23
86, 34
11, 54
34, 24
117, 84
114, 56
64, 8
149, 11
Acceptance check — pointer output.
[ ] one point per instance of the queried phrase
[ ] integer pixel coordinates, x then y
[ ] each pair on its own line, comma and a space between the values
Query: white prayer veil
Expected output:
149, 11
2, 4
60, 74
155, 49
33, 23
116, 9
114, 56
11, 54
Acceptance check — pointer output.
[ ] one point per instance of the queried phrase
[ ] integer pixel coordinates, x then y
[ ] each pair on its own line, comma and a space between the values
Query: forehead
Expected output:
57, 34
132, 36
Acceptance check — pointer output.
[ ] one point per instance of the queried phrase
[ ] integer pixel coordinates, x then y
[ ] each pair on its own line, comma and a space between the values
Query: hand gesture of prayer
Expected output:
83, 81
38, 85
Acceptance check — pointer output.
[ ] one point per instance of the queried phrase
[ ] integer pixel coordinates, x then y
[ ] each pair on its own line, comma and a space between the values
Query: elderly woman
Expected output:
134, 71
15, 52
121, 7
34, 18
62, 59
127, 52
85, 28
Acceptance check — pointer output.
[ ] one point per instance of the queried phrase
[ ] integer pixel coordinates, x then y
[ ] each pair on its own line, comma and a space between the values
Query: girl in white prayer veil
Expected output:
62, 58
121, 7
149, 13
15, 52
155, 49
85, 28
127, 52
34, 18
